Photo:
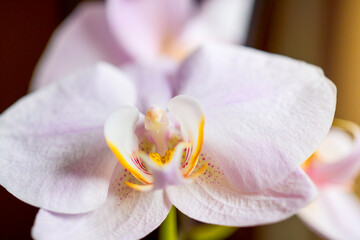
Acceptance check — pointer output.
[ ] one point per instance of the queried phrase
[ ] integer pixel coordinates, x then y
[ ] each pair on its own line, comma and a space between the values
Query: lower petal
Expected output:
126, 214
212, 200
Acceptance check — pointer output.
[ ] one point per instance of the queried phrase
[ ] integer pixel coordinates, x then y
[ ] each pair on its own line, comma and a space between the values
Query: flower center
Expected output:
162, 138
157, 125
165, 149
162, 160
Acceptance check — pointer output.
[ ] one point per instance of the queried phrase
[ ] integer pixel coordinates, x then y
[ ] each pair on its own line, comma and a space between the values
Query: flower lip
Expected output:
162, 153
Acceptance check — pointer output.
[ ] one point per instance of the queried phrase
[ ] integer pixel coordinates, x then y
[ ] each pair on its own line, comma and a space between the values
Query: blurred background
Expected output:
323, 32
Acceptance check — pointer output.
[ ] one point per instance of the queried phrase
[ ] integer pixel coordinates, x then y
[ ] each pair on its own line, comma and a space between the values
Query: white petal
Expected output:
52, 148
265, 114
126, 214
212, 200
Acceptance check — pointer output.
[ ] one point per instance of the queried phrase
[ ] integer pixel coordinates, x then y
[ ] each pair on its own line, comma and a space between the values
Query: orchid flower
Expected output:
143, 32
175, 28
227, 151
335, 169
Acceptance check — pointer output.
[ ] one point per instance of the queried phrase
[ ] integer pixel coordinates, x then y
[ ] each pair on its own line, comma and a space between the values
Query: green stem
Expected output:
207, 231
168, 229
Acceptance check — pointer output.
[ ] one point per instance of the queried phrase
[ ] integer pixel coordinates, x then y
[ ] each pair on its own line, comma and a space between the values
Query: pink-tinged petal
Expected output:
144, 27
265, 114
221, 20
126, 214
334, 215
337, 160
52, 147
82, 40
211, 199
154, 82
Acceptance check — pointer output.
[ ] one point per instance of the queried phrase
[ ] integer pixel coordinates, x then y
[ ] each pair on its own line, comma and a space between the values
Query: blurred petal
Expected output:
232, 26
337, 160
265, 114
154, 82
82, 40
143, 27
337, 145
334, 215
120, 136
52, 149
212, 200
222, 20
126, 214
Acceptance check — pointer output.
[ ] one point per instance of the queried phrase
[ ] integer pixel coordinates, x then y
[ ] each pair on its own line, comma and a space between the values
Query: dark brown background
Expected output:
319, 32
